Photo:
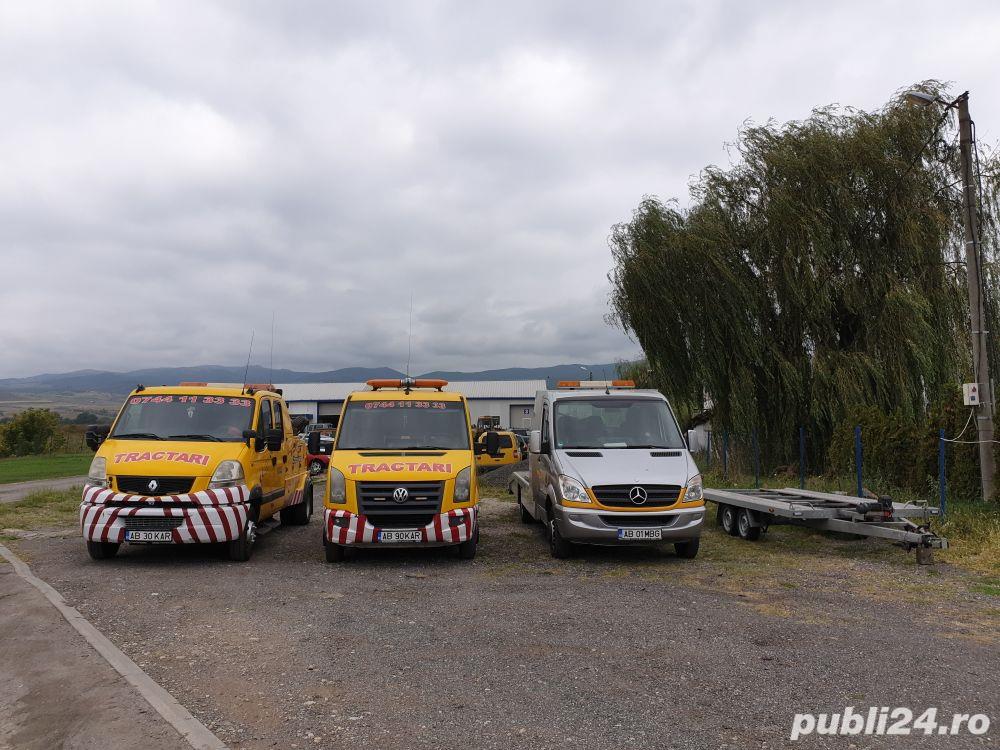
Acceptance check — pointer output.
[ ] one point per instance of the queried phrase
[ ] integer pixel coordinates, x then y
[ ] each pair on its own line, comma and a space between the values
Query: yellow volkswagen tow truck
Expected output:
194, 464
403, 470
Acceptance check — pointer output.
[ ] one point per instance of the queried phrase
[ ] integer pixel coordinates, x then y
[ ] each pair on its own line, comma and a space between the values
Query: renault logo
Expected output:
638, 495
153, 484
400, 495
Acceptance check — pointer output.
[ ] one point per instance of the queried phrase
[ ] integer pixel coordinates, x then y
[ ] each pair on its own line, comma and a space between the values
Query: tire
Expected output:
241, 548
102, 550
316, 468
727, 515
559, 548
467, 550
688, 550
334, 552
526, 517
299, 515
745, 527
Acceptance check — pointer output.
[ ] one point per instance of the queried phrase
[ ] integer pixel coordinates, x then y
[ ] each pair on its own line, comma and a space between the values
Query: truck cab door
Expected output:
267, 460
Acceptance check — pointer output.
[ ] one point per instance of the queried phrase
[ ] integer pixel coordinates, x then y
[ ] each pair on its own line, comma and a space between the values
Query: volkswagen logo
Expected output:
400, 494
638, 495
153, 484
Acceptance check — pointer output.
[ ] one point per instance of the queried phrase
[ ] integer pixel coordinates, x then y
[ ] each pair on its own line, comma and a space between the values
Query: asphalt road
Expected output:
417, 649
10, 493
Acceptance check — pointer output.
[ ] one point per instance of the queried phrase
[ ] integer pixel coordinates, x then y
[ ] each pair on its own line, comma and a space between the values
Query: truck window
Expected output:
279, 418
184, 417
265, 422
398, 424
505, 441
615, 423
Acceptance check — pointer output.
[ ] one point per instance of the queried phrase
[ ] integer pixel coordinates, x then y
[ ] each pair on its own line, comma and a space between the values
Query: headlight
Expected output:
227, 474
573, 491
695, 492
338, 486
463, 484
98, 474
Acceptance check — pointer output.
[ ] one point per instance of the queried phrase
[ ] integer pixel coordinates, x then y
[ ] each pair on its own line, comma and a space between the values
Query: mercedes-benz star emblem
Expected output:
638, 495
400, 495
153, 484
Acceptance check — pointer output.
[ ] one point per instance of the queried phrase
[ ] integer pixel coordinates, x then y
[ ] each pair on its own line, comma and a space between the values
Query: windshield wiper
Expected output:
196, 436
137, 436
426, 448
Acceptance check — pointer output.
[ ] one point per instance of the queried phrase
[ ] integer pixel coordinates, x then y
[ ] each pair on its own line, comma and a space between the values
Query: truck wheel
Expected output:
728, 515
559, 548
334, 552
316, 468
526, 517
689, 549
467, 550
240, 548
745, 527
299, 515
102, 550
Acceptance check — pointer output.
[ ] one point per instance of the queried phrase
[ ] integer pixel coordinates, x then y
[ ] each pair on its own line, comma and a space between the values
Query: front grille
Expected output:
638, 519
617, 495
423, 502
164, 485
144, 523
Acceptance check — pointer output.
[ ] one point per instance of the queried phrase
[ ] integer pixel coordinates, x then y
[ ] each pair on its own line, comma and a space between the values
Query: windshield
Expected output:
403, 424
615, 423
172, 417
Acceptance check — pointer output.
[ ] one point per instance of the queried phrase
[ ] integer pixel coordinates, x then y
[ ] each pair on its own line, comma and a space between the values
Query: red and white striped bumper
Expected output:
206, 516
453, 527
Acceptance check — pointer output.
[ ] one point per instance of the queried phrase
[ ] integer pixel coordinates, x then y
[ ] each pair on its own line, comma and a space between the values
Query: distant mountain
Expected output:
82, 381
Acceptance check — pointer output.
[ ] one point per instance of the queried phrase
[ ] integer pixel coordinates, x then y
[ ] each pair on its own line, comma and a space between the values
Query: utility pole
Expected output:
973, 267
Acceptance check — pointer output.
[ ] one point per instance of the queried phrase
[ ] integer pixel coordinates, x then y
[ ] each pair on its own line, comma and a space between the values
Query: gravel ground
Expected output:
417, 649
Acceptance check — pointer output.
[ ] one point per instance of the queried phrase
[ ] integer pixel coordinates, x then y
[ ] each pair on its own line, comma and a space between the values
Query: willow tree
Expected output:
824, 269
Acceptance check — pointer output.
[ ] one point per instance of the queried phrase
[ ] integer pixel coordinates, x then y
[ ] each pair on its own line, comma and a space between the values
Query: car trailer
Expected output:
747, 513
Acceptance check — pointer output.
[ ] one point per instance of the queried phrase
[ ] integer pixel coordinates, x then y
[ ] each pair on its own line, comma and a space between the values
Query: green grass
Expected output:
25, 468
59, 509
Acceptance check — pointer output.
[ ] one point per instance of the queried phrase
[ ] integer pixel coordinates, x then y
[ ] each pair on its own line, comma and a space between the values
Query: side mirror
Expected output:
95, 435
692, 438
273, 439
535, 441
313, 442
492, 443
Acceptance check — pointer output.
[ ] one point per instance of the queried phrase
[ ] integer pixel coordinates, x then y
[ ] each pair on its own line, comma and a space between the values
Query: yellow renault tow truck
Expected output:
194, 464
403, 470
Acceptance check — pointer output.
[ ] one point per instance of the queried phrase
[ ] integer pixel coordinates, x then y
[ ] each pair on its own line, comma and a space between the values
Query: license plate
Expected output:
148, 536
405, 535
640, 534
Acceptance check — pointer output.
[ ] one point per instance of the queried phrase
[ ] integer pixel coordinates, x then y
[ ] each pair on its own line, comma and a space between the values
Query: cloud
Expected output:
176, 172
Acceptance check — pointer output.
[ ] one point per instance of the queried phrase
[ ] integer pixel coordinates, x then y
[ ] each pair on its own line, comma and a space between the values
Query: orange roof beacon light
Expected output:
192, 384
406, 383
595, 384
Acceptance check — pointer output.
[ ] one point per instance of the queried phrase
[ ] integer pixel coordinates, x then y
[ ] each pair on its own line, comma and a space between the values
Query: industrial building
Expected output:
511, 400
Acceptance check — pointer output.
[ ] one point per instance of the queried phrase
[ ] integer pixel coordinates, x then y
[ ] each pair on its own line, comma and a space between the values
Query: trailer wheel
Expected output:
745, 526
727, 519
102, 550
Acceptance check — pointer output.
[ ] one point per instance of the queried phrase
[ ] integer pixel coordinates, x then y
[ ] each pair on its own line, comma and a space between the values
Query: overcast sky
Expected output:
171, 173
